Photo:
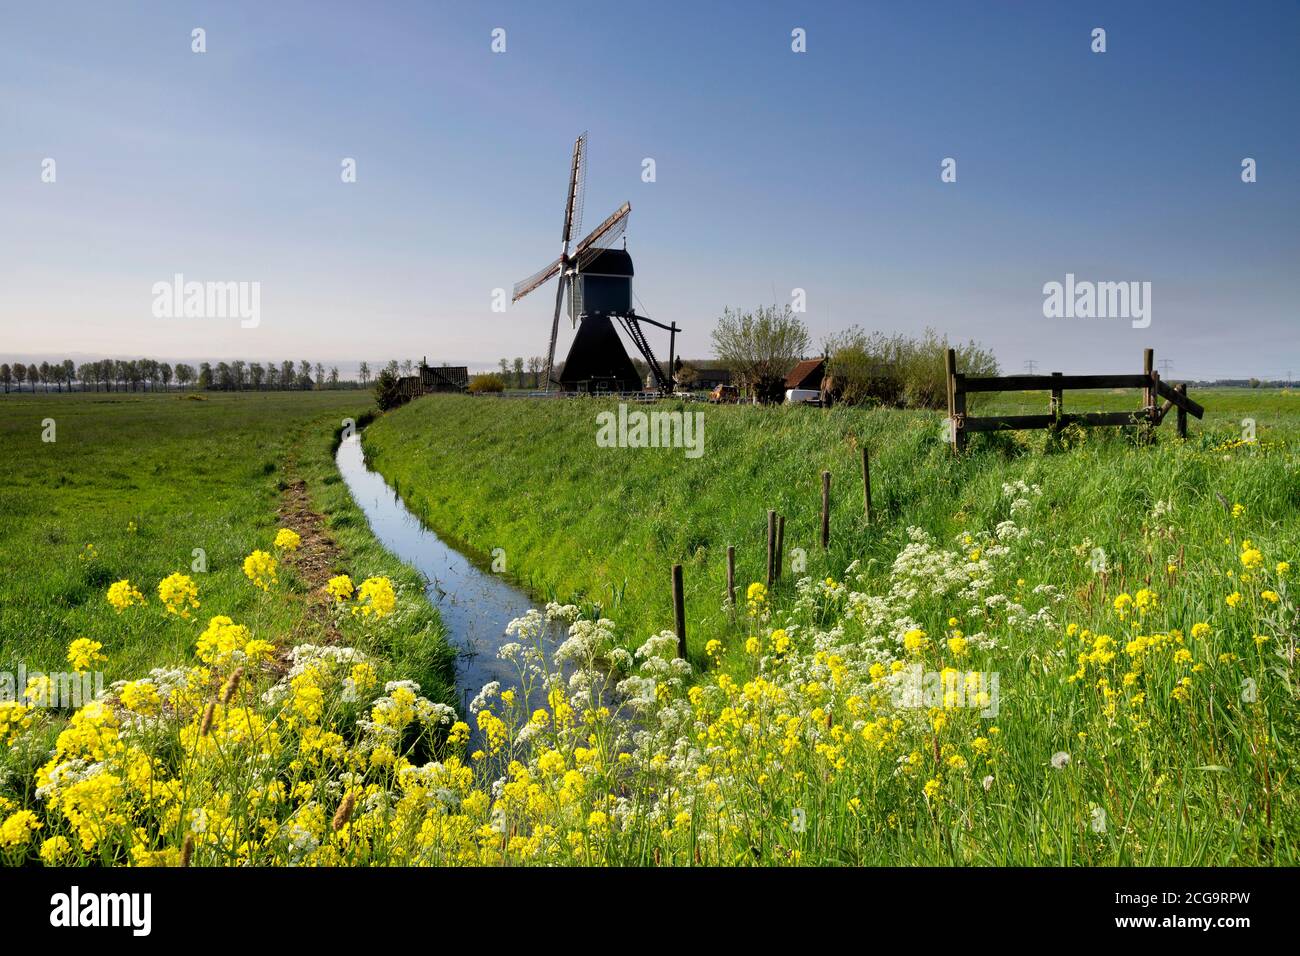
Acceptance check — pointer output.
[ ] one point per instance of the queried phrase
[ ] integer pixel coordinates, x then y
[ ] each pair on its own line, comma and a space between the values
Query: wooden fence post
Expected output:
731, 576
950, 374
679, 610
1149, 396
866, 483
1057, 402
1181, 389
771, 546
826, 510
780, 544
958, 413
1153, 410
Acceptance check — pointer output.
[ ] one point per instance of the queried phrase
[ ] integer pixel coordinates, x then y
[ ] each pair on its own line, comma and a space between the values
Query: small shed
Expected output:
710, 378
807, 374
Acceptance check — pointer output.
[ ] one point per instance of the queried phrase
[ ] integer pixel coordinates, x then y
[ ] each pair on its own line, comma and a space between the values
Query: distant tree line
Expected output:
512, 372
150, 375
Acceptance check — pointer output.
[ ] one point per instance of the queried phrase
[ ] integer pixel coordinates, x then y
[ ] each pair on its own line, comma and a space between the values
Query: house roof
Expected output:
453, 376
805, 370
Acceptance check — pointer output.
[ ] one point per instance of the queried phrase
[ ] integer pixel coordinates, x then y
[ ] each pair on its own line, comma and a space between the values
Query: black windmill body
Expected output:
598, 281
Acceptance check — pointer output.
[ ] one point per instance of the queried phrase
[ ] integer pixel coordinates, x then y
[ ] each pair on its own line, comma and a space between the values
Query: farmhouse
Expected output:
444, 378
804, 383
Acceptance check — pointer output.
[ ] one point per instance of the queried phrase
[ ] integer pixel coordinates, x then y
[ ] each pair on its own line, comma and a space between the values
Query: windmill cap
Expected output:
610, 262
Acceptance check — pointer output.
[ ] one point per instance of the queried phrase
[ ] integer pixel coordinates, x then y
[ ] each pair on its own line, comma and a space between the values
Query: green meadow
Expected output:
1113, 625
137, 487
603, 526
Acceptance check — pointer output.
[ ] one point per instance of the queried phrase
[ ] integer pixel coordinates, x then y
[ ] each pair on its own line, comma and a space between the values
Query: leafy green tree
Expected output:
386, 393
760, 347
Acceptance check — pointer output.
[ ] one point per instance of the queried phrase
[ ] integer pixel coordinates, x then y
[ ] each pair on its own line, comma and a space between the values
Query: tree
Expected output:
320, 375
534, 367
392, 369
304, 374
519, 372
238, 373
33, 376
20, 373
184, 375
286, 374
6, 376
69, 372
364, 371
408, 367
760, 347
386, 394
256, 375
897, 370
205, 375
505, 369
334, 377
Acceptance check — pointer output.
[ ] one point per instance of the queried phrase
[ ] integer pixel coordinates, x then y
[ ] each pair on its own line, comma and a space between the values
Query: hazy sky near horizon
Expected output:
775, 170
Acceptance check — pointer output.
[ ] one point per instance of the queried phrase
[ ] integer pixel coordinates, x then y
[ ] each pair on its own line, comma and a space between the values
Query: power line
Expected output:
1030, 366
1165, 364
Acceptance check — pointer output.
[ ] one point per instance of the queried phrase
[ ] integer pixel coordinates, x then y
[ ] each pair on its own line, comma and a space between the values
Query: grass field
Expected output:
144, 481
1132, 601
604, 525
1061, 650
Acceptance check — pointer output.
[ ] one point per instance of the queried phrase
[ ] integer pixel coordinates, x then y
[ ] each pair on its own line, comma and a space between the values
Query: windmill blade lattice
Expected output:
525, 286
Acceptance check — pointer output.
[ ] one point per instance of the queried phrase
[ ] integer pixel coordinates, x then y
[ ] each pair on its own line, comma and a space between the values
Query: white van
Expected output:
803, 396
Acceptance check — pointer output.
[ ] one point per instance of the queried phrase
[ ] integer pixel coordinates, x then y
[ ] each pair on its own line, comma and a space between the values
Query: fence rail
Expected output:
1150, 415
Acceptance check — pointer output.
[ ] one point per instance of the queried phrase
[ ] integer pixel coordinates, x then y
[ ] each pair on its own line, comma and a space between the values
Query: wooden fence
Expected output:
1150, 415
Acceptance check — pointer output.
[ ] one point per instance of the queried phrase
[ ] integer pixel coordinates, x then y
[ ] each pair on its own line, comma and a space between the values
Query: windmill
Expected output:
597, 279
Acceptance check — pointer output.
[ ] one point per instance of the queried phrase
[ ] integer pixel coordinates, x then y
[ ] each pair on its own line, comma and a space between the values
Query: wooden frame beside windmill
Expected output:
598, 281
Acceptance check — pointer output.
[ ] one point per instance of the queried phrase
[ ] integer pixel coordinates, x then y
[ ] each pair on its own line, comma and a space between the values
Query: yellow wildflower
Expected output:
375, 597
122, 595
340, 588
259, 567
179, 594
83, 653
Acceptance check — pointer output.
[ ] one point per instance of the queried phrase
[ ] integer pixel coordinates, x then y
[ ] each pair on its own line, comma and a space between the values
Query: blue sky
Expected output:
775, 170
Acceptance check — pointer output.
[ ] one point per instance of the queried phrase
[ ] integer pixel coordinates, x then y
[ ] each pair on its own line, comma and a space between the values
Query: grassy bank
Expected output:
1056, 654
604, 525
137, 487
1066, 650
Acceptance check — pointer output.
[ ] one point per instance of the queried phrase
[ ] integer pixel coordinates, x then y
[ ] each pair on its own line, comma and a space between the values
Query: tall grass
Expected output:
604, 525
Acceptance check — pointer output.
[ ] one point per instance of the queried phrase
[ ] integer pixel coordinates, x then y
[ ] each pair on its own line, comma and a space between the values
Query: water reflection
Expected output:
475, 605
